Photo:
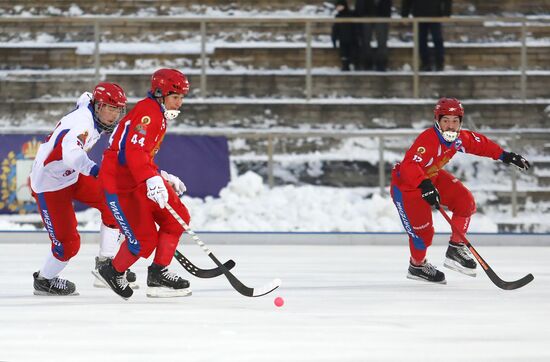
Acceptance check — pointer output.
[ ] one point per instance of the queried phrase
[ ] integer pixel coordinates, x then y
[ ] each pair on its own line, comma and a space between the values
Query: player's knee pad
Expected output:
424, 235
66, 250
172, 226
466, 207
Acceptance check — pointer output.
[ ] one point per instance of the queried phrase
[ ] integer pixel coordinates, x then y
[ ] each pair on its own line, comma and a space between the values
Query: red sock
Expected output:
165, 248
418, 256
124, 258
461, 223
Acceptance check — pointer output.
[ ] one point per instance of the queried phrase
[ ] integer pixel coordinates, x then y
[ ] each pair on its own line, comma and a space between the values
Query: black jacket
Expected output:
344, 32
426, 8
373, 8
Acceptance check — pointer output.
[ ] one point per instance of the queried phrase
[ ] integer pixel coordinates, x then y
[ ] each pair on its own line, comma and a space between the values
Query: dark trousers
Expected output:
437, 38
346, 54
374, 58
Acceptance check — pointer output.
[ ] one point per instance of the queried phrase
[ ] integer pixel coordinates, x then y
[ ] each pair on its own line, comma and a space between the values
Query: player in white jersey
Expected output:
62, 172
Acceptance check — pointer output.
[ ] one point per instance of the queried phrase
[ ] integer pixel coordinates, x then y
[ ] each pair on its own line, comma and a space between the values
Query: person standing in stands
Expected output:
370, 58
344, 35
429, 8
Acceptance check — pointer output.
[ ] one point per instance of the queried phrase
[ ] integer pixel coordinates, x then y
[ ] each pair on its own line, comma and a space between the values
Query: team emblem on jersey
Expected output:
82, 138
141, 129
16, 191
458, 143
421, 150
145, 120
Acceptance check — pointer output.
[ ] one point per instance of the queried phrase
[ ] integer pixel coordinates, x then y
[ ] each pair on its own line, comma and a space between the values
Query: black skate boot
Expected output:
114, 280
458, 258
163, 284
426, 272
103, 260
55, 286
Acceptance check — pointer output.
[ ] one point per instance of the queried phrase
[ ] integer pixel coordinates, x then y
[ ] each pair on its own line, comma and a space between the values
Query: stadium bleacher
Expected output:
256, 72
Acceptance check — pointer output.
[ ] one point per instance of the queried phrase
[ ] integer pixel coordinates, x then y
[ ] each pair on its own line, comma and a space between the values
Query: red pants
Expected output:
138, 217
416, 214
57, 212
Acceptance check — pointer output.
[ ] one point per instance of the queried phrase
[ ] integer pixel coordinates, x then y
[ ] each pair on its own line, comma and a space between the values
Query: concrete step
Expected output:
171, 31
535, 195
281, 84
523, 227
166, 7
256, 56
317, 113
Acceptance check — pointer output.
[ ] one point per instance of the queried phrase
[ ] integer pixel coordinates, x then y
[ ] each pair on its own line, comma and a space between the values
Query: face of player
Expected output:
173, 101
449, 123
107, 114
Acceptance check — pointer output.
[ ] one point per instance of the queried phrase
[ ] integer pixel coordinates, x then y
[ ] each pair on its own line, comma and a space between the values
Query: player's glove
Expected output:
175, 182
515, 159
429, 193
156, 191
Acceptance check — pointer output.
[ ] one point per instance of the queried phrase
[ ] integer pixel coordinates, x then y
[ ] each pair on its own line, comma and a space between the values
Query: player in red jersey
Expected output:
137, 191
419, 182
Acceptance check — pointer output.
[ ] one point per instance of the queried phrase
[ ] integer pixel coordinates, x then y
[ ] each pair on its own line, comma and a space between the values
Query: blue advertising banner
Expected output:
201, 162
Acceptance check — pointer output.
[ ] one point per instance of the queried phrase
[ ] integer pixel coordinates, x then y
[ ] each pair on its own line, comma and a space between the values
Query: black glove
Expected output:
516, 160
429, 193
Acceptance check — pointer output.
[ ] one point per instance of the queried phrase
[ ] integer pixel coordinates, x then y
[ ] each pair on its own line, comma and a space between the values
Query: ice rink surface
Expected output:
342, 303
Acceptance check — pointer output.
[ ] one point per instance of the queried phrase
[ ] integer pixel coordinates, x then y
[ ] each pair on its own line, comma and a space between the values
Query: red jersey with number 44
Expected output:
430, 153
129, 159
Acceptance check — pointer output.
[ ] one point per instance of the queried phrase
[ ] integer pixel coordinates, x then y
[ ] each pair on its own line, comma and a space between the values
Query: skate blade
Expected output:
98, 276
453, 265
163, 292
48, 294
99, 284
414, 277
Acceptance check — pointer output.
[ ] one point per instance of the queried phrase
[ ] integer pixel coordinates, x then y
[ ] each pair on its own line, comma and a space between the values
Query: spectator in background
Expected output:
429, 8
344, 35
370, 58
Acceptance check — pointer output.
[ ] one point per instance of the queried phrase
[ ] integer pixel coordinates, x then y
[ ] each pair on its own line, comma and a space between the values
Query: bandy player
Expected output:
62, 172
419, 182
137, 191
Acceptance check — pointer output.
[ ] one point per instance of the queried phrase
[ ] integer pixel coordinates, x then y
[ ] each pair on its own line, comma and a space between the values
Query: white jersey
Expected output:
63, 157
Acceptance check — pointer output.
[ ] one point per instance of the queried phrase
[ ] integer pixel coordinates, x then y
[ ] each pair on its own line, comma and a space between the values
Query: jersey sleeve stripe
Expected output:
122, 145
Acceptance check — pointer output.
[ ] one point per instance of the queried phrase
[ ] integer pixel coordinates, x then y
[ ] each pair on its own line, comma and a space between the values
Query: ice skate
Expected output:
130, 275
113, 279
162, 283
53, 287
426, 272
458, 259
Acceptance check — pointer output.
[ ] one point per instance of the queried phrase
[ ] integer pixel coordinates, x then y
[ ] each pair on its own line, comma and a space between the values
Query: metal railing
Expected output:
98, 21
513, 135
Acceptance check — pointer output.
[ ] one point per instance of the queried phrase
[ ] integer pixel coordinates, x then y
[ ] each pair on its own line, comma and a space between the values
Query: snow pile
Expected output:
247, 204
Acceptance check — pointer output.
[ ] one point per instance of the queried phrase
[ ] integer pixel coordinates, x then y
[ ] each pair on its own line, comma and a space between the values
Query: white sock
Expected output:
52, 267
108, 242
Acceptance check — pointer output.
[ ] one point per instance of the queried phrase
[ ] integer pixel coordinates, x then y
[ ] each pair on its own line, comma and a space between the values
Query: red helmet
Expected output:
113, 95
110, 93
448, 107
167, 81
